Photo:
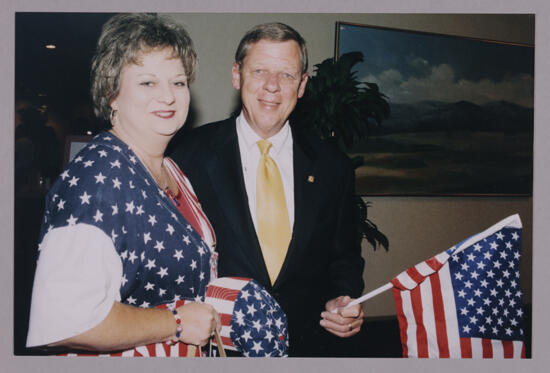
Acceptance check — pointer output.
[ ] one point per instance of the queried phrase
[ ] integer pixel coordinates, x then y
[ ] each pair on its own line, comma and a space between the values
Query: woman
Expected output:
126, 252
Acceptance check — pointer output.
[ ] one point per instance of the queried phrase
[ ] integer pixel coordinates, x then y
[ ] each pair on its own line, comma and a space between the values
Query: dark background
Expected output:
56, 81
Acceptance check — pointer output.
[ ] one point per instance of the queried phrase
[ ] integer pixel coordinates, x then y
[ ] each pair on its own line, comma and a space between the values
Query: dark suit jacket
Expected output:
323, 260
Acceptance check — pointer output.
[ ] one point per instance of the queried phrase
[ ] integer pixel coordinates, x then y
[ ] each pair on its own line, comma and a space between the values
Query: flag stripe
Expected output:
449, 306
508, 348
477, 348
159, 349
406, 281
230, 282
411, 326
518, 349
522, 348
221, 305
227, 342
421, 337
434, 264
424, 269
439, 312
396, 283
498, 349
441, 258
225, 318
415, 275
466, 347
401, 319
186, 188
222, 293
428, 319
487, 348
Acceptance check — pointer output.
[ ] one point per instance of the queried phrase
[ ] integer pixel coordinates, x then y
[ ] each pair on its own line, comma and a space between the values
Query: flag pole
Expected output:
371, 294
367, 296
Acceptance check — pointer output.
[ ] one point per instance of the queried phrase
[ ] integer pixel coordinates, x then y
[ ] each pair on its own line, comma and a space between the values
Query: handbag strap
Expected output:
221, 350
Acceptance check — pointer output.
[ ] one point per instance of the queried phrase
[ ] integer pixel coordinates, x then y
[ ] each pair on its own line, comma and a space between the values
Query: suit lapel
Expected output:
225, 172
305, 191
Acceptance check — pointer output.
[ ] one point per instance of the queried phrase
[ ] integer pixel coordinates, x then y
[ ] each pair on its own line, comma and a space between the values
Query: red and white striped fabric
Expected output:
454, 304
194, 208
187, 189
222, 294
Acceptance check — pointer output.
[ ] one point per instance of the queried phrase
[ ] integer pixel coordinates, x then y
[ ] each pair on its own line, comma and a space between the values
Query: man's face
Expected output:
271, 81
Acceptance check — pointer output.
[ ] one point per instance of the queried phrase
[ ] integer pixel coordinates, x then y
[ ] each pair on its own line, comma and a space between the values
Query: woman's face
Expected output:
153, 98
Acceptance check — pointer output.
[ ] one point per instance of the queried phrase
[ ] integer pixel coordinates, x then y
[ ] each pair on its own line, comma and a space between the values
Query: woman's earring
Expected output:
112, 116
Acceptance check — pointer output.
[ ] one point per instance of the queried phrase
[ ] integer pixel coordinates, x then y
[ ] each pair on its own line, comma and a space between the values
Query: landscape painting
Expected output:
461, 119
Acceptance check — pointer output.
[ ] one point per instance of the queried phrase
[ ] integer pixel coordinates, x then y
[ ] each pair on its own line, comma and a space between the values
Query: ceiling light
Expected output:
50, 46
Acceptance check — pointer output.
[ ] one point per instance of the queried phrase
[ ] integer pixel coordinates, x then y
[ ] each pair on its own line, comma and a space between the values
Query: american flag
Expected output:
465, 302
253, 323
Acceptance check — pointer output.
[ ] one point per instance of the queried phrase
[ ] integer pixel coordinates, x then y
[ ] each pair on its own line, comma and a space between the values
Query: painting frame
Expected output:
443, 160
73, 144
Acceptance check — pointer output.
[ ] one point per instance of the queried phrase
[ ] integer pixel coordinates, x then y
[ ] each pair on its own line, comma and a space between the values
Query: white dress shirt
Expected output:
280, 151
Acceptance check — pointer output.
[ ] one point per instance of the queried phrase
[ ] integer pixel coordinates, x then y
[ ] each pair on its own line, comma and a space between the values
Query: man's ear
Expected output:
302, 86
236, 75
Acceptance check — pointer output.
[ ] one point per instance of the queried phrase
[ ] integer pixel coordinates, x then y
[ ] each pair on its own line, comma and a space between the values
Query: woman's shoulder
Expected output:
104, 149
102, 176
105, 157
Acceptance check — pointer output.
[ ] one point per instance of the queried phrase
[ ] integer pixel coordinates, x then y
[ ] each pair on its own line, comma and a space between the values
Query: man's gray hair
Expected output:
275, 31
124, 38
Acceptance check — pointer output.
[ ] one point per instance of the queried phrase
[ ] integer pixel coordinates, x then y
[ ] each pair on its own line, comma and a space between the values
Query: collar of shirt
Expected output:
249, 138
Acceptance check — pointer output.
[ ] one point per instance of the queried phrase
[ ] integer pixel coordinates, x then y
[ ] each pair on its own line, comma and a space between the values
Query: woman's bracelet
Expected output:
172, 308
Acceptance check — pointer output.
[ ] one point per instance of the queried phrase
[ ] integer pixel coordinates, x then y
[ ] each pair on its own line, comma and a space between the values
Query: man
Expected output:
282, 209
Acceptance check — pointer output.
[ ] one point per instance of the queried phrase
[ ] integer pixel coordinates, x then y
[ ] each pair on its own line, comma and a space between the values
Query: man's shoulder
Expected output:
209, 129
200, 140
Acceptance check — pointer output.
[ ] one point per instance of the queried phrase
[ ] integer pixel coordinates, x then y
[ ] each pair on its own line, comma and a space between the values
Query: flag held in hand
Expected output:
465, 302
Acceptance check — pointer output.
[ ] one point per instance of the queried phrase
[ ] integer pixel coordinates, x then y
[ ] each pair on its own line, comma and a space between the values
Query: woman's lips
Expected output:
165, 114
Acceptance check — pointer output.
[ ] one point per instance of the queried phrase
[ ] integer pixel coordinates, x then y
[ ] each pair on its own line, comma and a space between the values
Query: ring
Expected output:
350, 327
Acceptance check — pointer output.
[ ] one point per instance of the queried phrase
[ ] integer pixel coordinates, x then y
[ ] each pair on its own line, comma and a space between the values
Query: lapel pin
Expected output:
311, 179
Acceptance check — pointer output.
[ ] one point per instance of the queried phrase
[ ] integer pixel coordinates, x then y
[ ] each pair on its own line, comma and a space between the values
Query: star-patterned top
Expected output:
163, 258
486, 285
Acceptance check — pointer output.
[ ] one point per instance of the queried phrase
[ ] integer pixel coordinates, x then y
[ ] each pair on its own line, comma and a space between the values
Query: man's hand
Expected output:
345, 322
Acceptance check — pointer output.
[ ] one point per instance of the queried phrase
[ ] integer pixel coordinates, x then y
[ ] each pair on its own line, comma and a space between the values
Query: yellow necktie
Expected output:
271, 212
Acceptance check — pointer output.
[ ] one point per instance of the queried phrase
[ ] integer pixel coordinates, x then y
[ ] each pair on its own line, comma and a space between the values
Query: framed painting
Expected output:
461, 119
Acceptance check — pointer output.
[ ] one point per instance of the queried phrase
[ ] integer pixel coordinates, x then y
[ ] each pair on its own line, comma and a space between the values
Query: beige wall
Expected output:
417, 228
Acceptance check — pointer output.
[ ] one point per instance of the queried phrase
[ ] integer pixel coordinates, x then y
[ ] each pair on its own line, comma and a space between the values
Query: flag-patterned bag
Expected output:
465, 302
253, 323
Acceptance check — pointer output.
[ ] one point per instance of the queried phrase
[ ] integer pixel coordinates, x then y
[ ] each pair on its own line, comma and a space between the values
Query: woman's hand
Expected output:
198, 321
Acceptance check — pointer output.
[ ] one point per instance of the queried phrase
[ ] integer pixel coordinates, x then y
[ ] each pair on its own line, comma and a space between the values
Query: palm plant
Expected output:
342, 109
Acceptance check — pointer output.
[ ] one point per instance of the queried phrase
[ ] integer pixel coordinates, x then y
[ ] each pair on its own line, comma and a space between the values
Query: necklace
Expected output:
160, 180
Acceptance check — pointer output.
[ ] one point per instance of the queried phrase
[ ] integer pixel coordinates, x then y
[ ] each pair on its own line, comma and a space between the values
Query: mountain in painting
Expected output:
499, 116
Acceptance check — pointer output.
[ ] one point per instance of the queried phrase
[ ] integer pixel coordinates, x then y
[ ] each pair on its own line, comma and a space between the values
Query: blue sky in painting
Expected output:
411, 66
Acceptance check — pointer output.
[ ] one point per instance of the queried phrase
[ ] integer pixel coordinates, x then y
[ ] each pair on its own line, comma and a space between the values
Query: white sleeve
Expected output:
77, 281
